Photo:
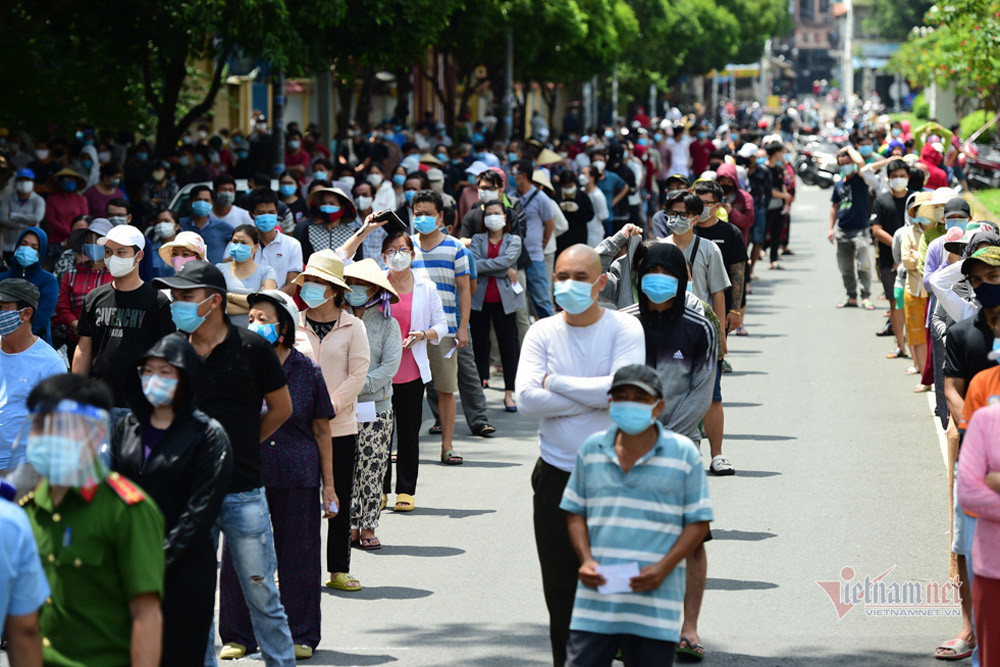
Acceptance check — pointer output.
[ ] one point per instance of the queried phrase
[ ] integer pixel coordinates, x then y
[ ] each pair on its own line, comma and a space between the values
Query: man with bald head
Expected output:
564, 376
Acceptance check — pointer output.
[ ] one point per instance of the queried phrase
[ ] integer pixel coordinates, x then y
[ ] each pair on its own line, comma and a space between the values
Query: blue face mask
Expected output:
734, 136
327, 209
609, 134
398, 180
88, 142
240, 252
87, 164
314, 294
184, 161
200, 208
10, 321
294, 145
761, 161
142, 156
26, 256
358, 296
443, 157
643, 141
409, 195
631, 417
243, 155
659, 287
286, 190
956, 222
847, 169
319, 175
185, 315
158, 390
425, 224
573, 296
58, 459
94, 252
266, 222
996, 350
865, 150
512, 157
69, 185
702, 135
268, 331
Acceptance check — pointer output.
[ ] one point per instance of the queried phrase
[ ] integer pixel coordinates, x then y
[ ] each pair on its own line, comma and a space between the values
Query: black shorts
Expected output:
708, 536
888, 277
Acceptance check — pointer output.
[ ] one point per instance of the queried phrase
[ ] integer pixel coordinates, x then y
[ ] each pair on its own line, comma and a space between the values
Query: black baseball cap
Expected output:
638, 375
192, 275
18, 289
957, 205
680, 178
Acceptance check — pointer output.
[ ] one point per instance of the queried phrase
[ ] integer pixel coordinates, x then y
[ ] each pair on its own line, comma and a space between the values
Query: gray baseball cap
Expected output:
641, 376
18, 289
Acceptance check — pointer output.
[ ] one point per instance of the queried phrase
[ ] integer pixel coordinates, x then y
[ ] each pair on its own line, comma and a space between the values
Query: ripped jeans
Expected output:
246, 523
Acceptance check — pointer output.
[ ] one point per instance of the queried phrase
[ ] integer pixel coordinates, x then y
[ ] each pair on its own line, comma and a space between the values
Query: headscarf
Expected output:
95, 168
657, 325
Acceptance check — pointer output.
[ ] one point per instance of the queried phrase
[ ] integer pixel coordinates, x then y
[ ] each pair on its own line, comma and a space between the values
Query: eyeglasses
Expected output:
400, 251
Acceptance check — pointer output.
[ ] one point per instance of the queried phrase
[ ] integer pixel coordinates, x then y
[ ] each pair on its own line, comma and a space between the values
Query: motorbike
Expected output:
816, 164
982, 166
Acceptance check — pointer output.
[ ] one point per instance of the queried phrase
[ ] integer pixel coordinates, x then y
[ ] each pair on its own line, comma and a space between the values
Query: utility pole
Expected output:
508, 93
765, 61
847, 64
614, 98
278, 120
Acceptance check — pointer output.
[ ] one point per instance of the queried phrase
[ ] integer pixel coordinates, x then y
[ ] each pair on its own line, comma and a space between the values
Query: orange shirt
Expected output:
983, 390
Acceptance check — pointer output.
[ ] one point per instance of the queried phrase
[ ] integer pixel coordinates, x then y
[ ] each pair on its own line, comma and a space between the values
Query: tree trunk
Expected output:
361, 115
404, 85
345, 91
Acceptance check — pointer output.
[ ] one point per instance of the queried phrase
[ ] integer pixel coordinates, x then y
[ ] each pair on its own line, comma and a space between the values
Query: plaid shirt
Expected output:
74, 286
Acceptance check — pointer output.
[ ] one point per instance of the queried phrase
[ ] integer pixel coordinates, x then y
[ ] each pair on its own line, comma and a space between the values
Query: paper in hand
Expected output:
617, 577
447, 355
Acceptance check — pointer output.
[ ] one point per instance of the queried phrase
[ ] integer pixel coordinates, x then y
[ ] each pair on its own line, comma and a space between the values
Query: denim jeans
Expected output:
246, 523
538, 288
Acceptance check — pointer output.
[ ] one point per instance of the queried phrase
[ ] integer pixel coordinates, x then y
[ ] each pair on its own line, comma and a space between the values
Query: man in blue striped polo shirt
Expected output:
638, 499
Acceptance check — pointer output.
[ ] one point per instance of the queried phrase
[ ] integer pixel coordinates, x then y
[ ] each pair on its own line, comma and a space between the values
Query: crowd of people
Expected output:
237, 354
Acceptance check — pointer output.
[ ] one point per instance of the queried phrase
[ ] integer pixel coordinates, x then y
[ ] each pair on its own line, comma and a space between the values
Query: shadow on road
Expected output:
739, 373
325, 657
419, 552
383, 593
741, 535
737, 404
757, 436
856, 658
757, 473
715, 584
450, 513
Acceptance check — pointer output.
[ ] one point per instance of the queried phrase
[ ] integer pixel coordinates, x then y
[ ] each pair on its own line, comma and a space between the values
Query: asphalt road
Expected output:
838, 466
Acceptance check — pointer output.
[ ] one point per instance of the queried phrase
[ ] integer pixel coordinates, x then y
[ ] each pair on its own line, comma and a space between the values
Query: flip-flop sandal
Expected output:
922, 388
370, 544
690, 650
867, 304
435, 430
846, 303
896, 354
741, 331
960, 647
912, 370
404, 503
450, 458
342, 582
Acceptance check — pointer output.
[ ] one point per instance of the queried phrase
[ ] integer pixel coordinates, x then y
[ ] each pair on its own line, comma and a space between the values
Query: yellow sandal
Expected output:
343, 581
404, 503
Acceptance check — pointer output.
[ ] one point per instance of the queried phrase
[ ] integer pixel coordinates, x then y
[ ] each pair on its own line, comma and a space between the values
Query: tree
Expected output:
960, 48
893, 19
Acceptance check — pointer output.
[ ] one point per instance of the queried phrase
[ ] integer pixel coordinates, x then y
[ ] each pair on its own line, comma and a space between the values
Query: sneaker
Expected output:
232, 651
303, 651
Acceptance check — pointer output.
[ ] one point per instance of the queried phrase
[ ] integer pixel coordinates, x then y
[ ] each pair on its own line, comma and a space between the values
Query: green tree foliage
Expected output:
961, 50
893, 19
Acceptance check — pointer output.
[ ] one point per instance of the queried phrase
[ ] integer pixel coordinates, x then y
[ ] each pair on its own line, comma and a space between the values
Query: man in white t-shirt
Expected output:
563, 377
680, 150
223, 195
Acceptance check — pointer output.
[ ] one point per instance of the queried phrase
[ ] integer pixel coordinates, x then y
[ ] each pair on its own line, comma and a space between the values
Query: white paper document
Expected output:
617, 577
516, 288
366, 411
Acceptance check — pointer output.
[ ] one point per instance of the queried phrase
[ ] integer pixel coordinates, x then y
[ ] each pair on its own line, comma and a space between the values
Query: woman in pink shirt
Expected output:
979, 495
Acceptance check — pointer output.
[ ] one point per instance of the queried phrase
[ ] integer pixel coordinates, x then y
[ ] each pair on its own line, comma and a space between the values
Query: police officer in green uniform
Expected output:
99, 537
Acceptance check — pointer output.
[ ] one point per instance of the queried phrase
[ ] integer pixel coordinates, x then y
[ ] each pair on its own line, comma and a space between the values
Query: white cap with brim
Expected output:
126, 235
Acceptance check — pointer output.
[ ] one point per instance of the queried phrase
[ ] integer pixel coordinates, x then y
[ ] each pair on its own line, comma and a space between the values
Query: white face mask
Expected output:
42, 154
487, 195
375, 180
104, 156
348, 181
898, 184
599, 165
24, 187
494, 222
120, 266
363, 203
116, 220
165, 229
399, 261
569, 193
583, 179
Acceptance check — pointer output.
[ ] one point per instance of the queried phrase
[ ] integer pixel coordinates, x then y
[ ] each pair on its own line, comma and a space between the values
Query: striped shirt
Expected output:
442, 264
636, 517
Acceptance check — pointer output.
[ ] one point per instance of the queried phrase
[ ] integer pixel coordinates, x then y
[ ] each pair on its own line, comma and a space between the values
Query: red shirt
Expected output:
60, 209
492, 291
74, 286
700, 151
297, 159
408, 369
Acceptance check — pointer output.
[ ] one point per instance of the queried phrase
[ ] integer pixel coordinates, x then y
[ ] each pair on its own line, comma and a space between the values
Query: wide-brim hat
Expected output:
429, 158
369, 271
541, 179
318, 192
65, 172
325, 265
190, 240
547, 157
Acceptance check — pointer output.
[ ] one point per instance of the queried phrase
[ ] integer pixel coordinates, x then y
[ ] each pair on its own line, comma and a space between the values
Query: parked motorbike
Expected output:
982, 166
816, 164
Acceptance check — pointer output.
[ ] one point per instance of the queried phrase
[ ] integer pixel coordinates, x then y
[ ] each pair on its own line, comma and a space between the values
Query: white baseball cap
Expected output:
124, 235
748, 151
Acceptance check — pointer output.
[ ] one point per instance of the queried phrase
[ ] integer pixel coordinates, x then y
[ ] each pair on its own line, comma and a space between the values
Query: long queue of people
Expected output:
234, 365
940, 273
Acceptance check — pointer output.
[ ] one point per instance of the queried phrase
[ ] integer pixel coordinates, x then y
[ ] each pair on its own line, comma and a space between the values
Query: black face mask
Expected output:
729, 189
988, 295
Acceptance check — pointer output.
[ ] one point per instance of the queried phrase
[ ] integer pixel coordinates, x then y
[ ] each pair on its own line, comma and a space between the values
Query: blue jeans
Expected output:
538, 287
245, 521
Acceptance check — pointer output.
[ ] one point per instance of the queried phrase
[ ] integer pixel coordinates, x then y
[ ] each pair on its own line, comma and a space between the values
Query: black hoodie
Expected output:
187, 472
